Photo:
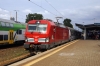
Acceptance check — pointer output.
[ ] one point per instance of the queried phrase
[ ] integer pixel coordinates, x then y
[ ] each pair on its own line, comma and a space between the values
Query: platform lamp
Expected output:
16, 14
83, 25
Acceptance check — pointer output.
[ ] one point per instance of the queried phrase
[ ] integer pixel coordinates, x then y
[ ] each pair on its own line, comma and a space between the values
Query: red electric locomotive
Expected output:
44, 34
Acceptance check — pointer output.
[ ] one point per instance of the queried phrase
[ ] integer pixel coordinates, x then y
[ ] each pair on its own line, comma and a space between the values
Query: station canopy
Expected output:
95, 26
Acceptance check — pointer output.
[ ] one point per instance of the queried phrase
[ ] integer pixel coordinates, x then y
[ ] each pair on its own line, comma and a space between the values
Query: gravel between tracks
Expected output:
9, 55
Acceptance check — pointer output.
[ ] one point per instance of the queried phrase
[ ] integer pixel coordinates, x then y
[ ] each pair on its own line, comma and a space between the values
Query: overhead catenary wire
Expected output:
54, 7
43, 8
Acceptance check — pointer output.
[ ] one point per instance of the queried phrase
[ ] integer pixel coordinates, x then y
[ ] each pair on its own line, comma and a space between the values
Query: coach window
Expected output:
0, 23
1, 37
11, 25
3, 24
19, 31
5, 37
7, 24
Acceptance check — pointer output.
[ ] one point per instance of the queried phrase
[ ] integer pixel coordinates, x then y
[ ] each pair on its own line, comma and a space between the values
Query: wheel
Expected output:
31, 52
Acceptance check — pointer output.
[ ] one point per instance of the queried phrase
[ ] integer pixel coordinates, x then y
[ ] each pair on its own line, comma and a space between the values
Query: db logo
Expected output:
36, 36
36, 39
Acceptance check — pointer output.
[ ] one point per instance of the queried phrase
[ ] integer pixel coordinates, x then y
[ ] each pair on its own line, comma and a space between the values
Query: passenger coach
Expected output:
11, 32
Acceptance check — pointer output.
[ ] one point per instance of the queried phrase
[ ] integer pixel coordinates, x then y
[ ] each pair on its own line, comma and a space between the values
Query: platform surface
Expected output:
77, 53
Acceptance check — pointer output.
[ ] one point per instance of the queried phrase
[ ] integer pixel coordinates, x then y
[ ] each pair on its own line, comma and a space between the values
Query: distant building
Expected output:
12, 18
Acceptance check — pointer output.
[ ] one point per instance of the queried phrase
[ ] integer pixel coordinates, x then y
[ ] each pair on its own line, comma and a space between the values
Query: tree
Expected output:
67, 22
34, 16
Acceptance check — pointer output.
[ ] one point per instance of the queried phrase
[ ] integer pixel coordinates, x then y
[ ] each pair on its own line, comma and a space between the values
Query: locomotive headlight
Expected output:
47, 40
37, 22
26, 40
29, 40
43, 40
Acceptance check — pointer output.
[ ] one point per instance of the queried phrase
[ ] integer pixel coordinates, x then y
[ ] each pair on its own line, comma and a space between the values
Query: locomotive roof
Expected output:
59, 24
73, 29
52, 23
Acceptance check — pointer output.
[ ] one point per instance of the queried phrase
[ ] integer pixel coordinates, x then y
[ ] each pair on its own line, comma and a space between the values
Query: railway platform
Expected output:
74, 53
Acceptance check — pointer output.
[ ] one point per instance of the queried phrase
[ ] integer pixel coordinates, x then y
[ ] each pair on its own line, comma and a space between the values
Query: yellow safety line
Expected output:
41, 58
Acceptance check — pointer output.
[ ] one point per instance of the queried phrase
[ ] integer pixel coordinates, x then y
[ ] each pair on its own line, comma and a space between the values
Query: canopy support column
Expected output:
84, 34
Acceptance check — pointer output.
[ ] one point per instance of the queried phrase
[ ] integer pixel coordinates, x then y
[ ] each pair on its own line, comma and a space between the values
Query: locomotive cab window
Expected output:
31, 27
37, 28
42, 28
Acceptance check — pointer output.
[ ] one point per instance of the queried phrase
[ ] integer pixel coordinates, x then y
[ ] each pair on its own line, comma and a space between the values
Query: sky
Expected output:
79, 11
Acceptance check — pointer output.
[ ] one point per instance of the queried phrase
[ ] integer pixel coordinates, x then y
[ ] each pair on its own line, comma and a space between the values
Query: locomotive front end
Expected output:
36, 35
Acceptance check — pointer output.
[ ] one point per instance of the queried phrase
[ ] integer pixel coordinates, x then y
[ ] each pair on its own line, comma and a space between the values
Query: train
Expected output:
46, 34
11, 32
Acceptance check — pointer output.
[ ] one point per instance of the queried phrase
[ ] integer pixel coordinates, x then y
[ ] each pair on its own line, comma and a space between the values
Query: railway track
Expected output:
10, 53
39, 54
23, 55
22, 58
13, 54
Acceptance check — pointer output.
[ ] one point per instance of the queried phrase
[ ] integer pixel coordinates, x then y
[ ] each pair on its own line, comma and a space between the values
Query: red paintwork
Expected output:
59, 35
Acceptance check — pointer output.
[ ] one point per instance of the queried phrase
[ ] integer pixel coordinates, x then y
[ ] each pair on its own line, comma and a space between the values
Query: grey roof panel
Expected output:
5, 20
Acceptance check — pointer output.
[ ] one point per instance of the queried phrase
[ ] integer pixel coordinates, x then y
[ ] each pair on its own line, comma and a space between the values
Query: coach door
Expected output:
11, 40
